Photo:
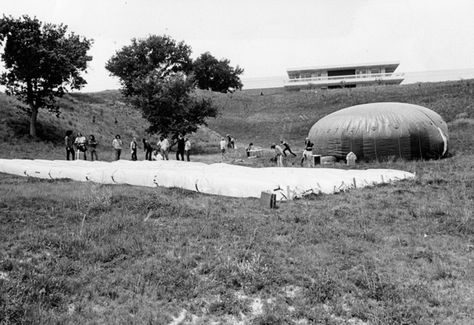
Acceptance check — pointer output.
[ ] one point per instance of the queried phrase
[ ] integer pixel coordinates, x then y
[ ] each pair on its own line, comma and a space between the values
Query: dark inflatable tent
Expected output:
381, 131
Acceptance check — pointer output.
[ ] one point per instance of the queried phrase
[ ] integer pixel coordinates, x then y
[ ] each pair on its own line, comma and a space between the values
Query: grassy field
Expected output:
78, 253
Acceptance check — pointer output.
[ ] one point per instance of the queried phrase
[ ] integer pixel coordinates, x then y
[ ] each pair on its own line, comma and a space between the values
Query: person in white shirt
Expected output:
164, 146
117, 145
133, 149
278, 154
187, 148
81, 145
223, 144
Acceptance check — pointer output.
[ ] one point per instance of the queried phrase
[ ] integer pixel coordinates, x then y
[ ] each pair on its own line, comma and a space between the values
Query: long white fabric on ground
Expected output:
218, 179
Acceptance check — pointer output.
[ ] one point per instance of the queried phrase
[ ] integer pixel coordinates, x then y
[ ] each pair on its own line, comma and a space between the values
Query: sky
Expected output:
265, 37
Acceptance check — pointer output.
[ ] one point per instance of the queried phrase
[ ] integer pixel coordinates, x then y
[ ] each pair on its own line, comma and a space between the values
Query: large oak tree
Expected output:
169, 106
157, 55
155, 77
42, 62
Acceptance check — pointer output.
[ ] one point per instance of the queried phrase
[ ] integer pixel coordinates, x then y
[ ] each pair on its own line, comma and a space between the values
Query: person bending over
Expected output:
286, 147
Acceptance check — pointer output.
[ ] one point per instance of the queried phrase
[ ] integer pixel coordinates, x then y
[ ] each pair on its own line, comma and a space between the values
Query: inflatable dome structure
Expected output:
381, 131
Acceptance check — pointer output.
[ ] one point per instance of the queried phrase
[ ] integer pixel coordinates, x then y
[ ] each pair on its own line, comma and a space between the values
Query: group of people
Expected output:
280, 152
79, 145
282, 149
163, 147
226, 143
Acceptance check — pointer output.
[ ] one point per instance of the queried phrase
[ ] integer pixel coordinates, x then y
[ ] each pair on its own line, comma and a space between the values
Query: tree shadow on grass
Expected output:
46, 132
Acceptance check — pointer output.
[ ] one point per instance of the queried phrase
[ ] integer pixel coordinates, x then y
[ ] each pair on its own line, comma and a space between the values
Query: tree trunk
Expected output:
33, 118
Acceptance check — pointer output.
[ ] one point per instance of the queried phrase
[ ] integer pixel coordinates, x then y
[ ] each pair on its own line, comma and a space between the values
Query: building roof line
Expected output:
346, 66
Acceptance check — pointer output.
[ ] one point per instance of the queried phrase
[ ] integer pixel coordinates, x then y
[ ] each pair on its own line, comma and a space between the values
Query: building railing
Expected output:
354, 77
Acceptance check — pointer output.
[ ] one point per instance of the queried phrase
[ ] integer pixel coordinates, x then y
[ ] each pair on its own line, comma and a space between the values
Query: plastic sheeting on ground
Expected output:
219, 179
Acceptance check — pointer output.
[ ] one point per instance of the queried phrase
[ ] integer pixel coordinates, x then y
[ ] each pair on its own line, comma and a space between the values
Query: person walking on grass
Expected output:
117, 145
278, 154
164, 146
133, 149
286, 147
181, 145
69, 143
308, 151
81, 145
93, 147
147, 147
223, 145
187, 148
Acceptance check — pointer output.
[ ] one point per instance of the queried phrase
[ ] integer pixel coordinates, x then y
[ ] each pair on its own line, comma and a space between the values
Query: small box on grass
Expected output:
316, 160
268, 200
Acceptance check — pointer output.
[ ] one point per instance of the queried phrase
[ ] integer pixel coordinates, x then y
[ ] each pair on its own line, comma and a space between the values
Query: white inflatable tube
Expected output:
218, 179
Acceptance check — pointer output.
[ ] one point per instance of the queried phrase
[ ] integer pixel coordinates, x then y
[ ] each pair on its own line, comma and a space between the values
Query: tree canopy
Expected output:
157, 55
42, 62
156, 76
168, 105
216, 75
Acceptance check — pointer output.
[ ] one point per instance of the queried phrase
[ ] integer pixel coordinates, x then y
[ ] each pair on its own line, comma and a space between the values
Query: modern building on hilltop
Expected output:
343, 76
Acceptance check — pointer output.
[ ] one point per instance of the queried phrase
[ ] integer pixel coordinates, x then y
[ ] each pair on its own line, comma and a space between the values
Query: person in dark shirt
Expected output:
286, 147
69, 143
93, 147
308, 151
249, 149
181, 144
148, 149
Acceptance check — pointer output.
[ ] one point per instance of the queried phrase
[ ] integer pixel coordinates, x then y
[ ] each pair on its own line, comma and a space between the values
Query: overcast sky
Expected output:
267, 37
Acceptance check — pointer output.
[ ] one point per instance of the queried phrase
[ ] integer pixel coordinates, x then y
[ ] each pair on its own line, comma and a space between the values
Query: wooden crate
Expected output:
268, 200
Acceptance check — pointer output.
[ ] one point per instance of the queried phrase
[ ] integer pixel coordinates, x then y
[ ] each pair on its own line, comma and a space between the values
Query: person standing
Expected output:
148, 149
117, 145
286, 147
223, 144
133, 149
249, 149
81, 145
278, 154
69, 143
180, 151
229, 141
187, 148
308, 151
164, 146
93, 147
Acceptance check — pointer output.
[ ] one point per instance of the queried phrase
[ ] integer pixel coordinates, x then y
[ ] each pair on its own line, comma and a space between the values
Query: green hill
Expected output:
259, 116
266, 118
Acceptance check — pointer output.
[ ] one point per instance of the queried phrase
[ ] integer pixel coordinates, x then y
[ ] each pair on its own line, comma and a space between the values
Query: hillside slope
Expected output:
103, 114
257, 116
262, 119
